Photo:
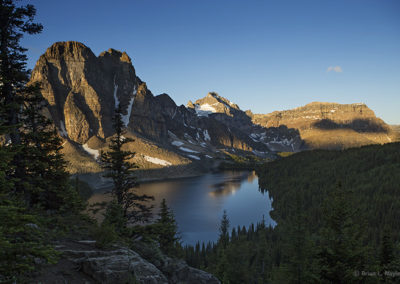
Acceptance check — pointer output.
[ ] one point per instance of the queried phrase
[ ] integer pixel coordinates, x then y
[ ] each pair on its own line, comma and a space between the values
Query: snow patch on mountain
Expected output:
187, 150
157, 161
206, 135
115, 95
172, 135
63, 132
204, 110
194, 157
93, 152
258, 153
177, 143
125, 118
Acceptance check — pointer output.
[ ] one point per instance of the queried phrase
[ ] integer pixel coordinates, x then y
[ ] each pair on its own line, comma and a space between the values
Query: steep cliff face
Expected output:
331, 125
83, 90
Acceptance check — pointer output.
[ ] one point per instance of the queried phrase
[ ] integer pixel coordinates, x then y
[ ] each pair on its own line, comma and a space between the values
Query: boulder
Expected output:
122, 265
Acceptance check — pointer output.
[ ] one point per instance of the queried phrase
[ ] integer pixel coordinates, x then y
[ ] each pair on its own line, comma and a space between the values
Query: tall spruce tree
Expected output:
224, 230
167, 229
45, 180
222, 267
14, 23
341, 245
6, 157
38, 167
298, 247
120, 169
387, 258
21, 238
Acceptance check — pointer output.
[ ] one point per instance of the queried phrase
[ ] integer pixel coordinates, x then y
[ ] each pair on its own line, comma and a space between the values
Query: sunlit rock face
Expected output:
331, 125
82, 89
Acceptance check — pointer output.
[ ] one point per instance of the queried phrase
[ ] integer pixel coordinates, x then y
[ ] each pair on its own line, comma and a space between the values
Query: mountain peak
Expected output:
122, 56
213, 103
82, 91
219, 99
69, 49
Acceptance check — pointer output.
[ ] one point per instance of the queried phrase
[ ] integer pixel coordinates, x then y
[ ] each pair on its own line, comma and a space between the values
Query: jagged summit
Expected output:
213, 103
83, 89
78, 50
122, 56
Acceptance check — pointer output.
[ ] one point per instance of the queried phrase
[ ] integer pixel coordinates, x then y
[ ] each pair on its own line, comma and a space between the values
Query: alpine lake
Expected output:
198, 202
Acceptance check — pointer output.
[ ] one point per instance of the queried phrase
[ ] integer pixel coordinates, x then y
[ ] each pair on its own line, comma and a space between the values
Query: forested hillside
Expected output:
337, 215
370, 175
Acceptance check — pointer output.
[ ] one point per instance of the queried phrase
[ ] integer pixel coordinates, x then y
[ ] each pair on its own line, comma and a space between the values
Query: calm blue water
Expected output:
198, 203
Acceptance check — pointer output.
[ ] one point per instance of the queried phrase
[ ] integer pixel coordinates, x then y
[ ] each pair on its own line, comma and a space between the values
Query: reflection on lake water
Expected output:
198, 202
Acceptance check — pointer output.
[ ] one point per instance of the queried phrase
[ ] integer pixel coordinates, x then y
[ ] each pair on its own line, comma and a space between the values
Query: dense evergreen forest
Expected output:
338, 222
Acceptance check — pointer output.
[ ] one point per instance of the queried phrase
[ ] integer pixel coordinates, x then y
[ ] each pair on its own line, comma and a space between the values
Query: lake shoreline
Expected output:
198, 202
99, 184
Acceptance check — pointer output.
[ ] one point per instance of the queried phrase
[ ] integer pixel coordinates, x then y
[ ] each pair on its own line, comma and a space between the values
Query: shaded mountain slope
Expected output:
82, 91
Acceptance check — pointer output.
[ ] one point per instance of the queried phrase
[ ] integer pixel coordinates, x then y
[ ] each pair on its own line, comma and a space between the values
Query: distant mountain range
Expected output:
83, 89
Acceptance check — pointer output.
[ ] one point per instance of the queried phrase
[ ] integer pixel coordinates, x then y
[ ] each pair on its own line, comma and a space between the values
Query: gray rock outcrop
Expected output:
116, 266
123, 265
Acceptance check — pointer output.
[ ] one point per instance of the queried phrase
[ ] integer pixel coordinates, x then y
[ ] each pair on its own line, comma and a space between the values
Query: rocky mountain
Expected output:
274, 138
82, 91
331, 125
396, 131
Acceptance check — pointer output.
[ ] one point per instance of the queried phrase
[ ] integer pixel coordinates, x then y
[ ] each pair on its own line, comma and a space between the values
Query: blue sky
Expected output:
262, 55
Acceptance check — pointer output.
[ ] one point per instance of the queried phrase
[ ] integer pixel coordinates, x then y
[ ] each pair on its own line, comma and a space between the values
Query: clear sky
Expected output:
263, 55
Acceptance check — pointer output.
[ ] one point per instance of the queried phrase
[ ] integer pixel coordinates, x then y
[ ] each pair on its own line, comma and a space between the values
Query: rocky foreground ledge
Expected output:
82, 262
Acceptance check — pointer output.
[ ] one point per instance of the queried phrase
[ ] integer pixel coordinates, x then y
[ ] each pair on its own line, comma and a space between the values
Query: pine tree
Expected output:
6, 166
223, 240
22, 242
44, 180
38, 172
14, 22
120, 169
341, 252
298, 248
167, 229
387, 256
224, 230
114, 218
